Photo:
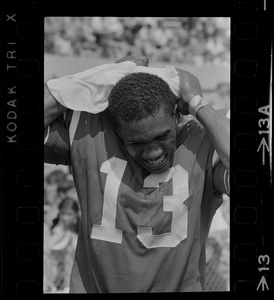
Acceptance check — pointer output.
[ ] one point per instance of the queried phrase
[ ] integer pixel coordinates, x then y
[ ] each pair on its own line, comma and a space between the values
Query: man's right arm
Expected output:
56, 143
56, 140
52, 108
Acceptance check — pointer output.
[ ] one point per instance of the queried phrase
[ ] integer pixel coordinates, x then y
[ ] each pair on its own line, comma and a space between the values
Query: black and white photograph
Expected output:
136, 154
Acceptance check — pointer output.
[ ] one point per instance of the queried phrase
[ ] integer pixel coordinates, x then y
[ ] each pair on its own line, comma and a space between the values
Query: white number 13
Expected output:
114, 168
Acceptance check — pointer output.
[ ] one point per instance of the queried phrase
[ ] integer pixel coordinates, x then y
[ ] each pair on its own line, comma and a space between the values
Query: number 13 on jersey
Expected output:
115, 168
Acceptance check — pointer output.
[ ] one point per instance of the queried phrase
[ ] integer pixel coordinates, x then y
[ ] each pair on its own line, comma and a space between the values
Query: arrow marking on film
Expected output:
263, 284
264, 146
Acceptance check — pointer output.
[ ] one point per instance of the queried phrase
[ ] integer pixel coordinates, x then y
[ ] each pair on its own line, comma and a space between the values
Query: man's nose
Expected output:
152, 153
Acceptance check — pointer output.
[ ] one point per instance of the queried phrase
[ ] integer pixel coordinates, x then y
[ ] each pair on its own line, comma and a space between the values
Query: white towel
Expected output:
89, 90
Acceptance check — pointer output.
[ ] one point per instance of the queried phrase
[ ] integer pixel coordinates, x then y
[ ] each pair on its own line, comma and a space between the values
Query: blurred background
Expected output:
200, 45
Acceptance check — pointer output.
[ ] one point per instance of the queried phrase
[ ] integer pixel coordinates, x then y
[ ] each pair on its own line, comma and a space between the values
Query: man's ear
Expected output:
176, 115
176, 109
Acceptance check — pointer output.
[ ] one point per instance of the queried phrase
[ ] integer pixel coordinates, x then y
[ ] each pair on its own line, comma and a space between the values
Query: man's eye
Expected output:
162, 137
133, 144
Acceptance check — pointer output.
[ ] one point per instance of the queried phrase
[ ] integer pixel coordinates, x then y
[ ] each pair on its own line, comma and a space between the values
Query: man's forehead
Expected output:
147, 127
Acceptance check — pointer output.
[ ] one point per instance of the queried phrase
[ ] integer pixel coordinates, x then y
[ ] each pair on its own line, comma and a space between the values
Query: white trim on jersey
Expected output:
47, 136
226, 181
215, 159
73, 125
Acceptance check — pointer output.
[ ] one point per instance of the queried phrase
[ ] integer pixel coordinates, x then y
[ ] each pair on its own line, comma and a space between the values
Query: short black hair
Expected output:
139, 95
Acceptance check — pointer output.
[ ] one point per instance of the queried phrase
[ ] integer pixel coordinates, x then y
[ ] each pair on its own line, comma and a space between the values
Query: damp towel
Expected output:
89, 90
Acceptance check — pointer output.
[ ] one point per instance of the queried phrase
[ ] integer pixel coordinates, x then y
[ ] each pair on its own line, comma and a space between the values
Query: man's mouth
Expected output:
157, 163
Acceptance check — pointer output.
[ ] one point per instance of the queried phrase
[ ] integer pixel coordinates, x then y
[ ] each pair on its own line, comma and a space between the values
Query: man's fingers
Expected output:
185, 78
139, 60
189, 85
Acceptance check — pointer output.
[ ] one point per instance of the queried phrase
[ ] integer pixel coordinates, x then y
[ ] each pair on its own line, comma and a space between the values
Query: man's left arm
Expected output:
216, 123
218, 128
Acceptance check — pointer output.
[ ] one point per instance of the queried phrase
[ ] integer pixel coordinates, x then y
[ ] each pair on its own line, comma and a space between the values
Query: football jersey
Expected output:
140, 231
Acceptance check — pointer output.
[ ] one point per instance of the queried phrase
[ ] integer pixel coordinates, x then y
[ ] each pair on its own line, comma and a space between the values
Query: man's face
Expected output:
151, 141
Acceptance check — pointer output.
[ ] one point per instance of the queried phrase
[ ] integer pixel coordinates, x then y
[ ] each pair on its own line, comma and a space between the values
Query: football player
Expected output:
150, 168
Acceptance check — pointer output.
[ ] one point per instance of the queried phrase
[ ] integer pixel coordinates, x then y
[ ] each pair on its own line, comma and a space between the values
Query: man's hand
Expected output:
139, 60
189, 87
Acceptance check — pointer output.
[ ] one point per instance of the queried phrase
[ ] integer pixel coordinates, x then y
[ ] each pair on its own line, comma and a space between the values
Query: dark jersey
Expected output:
139, 232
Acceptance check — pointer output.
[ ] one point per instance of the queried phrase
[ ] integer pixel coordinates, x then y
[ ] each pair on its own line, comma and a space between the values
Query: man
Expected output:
146, 175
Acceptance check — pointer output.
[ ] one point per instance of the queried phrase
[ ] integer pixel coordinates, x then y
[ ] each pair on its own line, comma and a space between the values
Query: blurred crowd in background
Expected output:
61, 227
199, 41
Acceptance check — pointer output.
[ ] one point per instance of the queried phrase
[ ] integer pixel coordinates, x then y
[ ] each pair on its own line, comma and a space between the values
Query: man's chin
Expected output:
158, 171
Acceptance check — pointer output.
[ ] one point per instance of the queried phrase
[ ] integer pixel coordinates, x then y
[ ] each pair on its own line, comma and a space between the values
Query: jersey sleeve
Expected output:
220, 173
221, 179
56, 143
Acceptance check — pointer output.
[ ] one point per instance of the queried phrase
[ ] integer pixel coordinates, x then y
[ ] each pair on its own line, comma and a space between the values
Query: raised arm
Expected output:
215, 123
217, 127
52, 108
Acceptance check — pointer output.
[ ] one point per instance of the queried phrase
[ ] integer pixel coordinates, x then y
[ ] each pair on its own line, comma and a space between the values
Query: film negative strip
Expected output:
21, 148
22, 192
251, 158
